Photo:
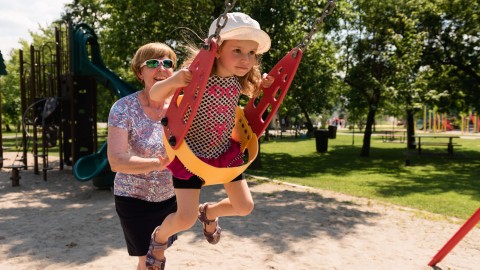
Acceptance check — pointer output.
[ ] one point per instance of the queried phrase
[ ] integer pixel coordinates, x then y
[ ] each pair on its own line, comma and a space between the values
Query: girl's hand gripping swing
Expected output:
181, 111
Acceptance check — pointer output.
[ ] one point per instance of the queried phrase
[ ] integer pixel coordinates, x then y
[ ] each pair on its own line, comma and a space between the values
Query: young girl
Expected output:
235, 72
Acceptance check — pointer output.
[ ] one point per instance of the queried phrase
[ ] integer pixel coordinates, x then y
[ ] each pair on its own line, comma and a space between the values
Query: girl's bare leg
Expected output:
183, 219
238, 203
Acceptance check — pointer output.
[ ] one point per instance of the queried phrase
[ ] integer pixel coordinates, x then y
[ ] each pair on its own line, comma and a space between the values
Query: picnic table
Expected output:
394, 135
436, 140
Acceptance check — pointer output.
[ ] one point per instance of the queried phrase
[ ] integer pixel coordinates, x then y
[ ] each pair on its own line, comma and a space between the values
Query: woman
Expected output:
143, 189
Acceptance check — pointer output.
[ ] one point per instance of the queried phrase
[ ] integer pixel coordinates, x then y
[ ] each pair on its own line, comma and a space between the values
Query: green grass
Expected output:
435, 182
12, 142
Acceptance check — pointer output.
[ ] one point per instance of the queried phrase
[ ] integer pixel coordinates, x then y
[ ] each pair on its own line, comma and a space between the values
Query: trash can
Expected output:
321, 140
332, 132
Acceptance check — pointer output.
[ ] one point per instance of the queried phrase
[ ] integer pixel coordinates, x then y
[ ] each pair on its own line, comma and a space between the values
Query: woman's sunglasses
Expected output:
154, 63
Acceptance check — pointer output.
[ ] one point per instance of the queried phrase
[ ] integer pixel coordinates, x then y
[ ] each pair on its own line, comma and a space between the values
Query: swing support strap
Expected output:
181, 112
221, 22
327, 10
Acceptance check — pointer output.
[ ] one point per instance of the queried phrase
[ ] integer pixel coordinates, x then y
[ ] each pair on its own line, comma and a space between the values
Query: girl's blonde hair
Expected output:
250, 82
154, 50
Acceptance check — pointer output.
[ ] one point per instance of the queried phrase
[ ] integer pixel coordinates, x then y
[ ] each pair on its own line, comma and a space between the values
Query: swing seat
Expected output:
212, 175
250, 122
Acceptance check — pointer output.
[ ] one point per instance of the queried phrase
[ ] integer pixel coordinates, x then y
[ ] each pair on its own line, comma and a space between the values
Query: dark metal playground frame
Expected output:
58, 85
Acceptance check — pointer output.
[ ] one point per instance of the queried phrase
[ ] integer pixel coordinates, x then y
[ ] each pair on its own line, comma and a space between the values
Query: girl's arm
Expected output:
162, 90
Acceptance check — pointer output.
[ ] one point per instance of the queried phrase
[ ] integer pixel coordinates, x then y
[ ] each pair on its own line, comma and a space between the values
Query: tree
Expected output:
406, 57
452, 53
11, 93
368, 64
3, 68
383, 55
43, 40
315, 87
3, 71
91, 12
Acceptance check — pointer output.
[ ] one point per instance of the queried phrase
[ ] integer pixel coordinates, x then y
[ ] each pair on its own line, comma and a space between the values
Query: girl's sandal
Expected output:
151, 262
213, 237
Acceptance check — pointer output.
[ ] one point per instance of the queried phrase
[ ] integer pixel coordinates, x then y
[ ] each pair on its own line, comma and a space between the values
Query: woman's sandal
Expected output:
151, 262
214, 237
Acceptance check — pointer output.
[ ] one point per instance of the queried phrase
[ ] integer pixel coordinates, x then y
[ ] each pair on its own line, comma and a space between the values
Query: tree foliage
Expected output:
389, 57
129, 25
452, 54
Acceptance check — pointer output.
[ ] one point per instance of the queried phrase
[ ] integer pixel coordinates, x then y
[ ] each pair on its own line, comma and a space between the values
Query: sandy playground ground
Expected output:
65, 224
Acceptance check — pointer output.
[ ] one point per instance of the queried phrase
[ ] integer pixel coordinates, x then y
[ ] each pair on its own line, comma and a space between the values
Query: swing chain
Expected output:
221, 22
327, 10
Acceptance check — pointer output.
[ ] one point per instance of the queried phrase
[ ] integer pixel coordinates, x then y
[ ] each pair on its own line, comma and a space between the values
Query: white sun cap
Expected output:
240, 26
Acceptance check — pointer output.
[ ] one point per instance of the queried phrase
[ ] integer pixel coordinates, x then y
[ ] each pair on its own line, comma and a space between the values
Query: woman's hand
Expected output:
164, 161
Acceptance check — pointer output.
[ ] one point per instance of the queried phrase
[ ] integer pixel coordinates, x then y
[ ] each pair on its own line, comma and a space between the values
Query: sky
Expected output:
17, 17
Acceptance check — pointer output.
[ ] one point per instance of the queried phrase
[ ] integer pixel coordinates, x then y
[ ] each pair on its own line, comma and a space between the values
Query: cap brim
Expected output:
247, 33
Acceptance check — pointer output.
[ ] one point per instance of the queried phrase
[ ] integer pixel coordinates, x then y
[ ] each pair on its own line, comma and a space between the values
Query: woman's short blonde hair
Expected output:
155, 50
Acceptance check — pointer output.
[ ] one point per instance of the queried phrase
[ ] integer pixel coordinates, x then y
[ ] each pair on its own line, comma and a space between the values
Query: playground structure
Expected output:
59, 99
438, 122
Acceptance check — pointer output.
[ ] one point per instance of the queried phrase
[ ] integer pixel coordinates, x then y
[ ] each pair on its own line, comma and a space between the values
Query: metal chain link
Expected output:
327, 10
221, 22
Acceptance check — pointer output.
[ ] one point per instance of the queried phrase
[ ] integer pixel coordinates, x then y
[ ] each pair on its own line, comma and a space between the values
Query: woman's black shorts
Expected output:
196, 182
139, 218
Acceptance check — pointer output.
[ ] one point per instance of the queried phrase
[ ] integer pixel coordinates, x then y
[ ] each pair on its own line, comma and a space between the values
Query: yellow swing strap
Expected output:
214, 175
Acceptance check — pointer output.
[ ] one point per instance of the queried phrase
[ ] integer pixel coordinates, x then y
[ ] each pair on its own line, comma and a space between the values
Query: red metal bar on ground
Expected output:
469, 224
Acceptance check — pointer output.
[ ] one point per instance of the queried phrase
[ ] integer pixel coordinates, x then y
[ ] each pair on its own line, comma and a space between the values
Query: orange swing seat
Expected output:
250, 122
212, 175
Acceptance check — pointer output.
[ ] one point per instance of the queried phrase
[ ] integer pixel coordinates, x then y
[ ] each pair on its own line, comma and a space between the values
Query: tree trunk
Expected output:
267, 135
308, 123
368, 134
410, 129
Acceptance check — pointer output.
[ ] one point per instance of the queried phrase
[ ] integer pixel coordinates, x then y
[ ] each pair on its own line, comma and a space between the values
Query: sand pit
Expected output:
64, 224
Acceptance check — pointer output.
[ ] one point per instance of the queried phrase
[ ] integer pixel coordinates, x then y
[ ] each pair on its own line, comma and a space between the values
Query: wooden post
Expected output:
424, 118
475, 122
430, 120
15, 174
463, 120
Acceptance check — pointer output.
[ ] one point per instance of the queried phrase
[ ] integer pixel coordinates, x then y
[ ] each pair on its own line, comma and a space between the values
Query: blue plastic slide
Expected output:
94, 166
